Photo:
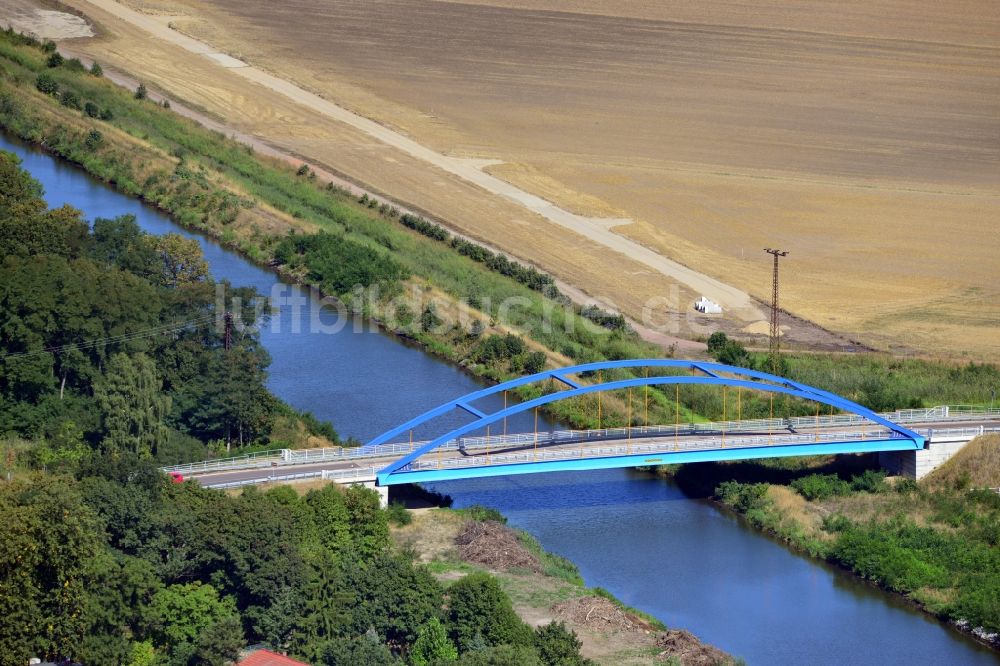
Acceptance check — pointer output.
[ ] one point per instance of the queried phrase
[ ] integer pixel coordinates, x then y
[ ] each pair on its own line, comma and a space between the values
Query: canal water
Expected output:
682, 560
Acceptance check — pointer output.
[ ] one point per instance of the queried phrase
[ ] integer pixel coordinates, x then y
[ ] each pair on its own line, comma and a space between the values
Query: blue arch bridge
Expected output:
911, 442
455, 454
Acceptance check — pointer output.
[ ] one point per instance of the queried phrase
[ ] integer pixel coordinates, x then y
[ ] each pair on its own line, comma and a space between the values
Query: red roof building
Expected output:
268, 658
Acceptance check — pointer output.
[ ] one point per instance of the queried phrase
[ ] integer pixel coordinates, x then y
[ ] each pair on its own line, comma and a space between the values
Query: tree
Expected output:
728, 351
49, 560
140, 92
120, 242
55, 59
391, 596
331, 517
132, 406
534, 362
478, 605
716, 342
117, 599
369, 524
356, 652
324, 614
183, 261
143, 654
558, 646
179, 614
96, 70
220, 643
20, 193
432, 645
502, 655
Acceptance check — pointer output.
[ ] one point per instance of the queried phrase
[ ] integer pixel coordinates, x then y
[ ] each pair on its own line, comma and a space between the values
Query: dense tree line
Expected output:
117, 565
109, 339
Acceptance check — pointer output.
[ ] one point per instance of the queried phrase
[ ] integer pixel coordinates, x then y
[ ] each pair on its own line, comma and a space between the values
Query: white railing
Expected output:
283, 457
658, 447
640, 448
335, 475
662, 446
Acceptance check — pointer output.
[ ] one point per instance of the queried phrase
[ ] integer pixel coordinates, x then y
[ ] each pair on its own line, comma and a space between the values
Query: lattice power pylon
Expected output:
775, 342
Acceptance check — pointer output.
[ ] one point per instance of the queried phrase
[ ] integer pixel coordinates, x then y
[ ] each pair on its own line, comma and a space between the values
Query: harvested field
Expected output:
864, 139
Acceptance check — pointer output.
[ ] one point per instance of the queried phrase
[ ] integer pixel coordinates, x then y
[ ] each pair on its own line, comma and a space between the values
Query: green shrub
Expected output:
337, 263
870, 481
742, 497
55, 60
46, 84
821, 486
141, 92
498, 348
96, 70
70, 99
398, 514
534, 362
482, 513
94, 139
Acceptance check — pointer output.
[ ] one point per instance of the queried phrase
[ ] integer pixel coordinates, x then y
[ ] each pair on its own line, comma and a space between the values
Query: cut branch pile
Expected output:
686, 648
495, 546
597, 613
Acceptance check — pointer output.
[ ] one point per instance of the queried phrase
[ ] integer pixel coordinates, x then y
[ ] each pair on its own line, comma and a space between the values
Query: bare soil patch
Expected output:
42, 21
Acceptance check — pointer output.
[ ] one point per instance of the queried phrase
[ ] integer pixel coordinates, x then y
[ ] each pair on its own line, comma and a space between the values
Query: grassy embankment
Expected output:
252, 203
934, 541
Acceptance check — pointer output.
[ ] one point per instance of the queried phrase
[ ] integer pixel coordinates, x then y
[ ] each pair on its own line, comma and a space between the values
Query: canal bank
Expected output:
678, 559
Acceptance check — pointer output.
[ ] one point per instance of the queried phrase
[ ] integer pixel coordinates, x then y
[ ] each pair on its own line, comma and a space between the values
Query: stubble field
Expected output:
864, 139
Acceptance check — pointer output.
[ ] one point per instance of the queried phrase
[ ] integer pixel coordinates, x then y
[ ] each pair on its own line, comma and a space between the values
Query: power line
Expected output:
125, 337
775, 342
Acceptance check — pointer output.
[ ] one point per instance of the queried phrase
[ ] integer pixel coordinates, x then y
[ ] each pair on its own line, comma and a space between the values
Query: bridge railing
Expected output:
245, 461
282, 457
640, 447
336, 475
661, 447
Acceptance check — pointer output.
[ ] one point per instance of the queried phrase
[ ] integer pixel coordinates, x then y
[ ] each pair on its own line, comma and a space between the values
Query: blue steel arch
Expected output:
751, 379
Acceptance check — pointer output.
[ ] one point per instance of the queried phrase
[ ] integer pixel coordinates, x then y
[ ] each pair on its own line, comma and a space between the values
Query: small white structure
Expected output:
707, 306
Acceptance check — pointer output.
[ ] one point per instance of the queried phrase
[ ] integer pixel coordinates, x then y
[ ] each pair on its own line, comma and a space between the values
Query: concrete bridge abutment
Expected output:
918, 464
